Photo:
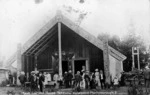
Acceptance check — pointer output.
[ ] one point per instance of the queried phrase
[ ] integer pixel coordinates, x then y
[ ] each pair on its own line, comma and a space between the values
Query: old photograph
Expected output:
74, 47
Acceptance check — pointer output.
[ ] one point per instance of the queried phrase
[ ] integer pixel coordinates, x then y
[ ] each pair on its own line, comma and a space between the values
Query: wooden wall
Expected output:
71, 42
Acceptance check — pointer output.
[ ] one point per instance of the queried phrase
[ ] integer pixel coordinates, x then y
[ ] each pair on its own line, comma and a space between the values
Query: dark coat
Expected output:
69, 76
22, 79
147, 74
86, 77
33, 80
78, 78
41, 80
93, 84
65, 77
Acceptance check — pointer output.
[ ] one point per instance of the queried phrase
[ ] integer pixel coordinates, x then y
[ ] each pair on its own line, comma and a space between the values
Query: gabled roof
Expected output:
77, 29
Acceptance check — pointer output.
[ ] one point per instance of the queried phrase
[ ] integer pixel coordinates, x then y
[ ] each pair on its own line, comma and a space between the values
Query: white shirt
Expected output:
97, 75
101, 76
116, 81
56, 77
48, 77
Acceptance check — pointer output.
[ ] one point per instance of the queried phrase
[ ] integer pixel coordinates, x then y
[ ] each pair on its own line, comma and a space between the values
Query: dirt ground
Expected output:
19, 91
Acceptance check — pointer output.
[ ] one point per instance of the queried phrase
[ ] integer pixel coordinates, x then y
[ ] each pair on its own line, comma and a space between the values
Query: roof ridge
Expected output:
59, 17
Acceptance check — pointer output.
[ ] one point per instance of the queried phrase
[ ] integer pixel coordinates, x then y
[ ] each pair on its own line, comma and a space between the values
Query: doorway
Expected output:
64, 66
78, 65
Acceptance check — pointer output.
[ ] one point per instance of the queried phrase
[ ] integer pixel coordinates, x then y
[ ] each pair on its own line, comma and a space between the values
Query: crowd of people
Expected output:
81, 80
36, 80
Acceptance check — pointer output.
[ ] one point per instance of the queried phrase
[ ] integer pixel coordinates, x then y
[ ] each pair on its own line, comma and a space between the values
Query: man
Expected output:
87, 80
33, 80
66, 79
102, 79
122, 79
41, 80
22, 79
78, 79
147, 76
70, 76
93, 83
10, 78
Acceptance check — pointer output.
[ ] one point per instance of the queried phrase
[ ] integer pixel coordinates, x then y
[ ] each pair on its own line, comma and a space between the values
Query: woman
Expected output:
48, 77
97, 77
83, 80
45, 79
56, 79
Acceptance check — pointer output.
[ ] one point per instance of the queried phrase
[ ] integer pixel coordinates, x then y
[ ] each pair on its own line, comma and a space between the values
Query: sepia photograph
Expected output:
74, 47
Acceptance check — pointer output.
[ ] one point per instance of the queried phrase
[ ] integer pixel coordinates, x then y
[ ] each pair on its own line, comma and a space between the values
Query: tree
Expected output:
125, 47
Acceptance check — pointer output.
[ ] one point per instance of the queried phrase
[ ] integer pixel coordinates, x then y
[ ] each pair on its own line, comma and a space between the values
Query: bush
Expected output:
4, 83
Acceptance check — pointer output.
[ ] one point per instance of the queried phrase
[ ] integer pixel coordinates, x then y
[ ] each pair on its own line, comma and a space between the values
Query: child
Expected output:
116, 82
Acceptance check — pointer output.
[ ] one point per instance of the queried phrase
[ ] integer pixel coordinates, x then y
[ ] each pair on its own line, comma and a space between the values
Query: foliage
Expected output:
4, 83
125, 47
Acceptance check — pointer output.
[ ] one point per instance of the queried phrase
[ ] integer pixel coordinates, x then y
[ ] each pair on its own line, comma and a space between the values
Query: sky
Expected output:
21, 19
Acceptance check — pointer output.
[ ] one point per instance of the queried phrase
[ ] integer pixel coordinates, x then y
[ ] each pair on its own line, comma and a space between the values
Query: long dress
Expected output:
48, 77
56, 78
82, 84
45, 80
97, 78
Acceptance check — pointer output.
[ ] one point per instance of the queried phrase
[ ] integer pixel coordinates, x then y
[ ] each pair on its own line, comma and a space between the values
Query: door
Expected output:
78, 65
64, 66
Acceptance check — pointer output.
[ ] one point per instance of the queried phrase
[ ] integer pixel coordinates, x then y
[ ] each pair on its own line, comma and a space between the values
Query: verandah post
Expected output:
59, 49
19, 62
106, 61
